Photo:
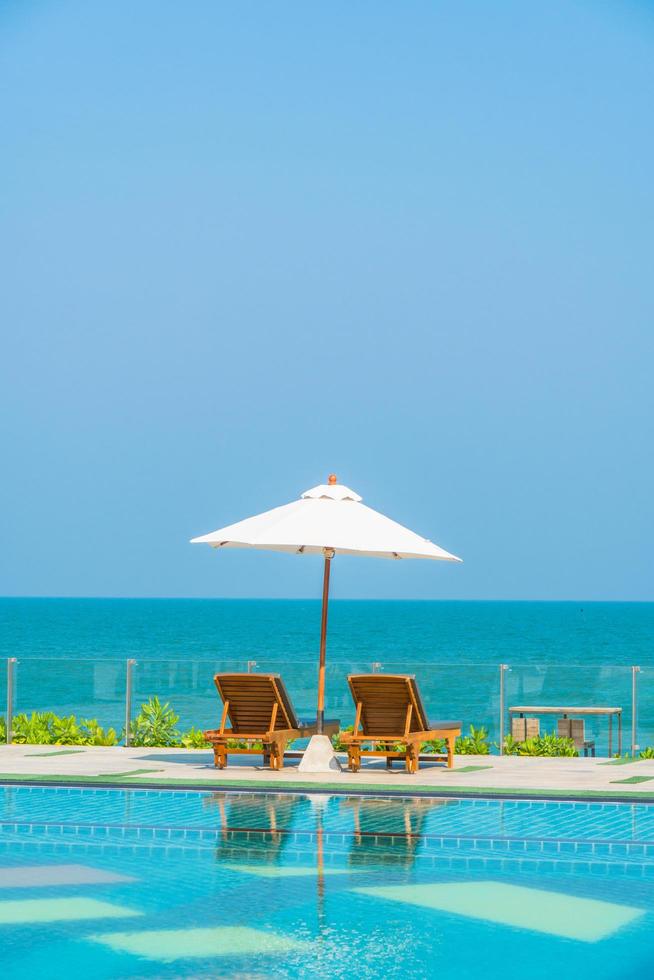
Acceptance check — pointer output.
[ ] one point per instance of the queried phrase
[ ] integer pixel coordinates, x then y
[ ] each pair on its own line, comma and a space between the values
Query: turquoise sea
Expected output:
71, 653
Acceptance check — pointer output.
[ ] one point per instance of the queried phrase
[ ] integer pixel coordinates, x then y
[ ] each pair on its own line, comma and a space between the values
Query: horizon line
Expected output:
174, 598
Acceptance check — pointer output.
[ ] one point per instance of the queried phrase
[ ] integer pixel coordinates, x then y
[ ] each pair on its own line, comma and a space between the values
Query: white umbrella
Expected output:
327, 520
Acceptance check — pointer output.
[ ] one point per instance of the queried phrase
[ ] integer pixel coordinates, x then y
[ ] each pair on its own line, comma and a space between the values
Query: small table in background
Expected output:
546, 709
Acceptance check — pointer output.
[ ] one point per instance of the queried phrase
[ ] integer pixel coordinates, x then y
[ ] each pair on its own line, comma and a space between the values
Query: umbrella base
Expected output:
319, 756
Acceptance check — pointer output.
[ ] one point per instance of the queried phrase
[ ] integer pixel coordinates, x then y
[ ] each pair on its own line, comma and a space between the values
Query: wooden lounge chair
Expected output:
259, 710
391, 718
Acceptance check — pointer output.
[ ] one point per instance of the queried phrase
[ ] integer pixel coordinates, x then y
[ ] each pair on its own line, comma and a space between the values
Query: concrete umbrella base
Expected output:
319, 756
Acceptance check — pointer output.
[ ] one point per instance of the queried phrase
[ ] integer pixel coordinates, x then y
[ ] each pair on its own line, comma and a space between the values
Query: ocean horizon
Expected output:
72, 653
481, 629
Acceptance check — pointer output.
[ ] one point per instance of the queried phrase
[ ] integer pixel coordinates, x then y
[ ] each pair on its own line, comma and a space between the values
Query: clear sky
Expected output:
246, 244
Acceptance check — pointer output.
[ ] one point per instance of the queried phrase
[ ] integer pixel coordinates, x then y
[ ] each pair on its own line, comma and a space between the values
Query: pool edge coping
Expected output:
330, 789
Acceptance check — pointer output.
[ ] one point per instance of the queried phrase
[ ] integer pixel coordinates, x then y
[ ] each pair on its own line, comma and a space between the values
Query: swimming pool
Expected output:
137, 883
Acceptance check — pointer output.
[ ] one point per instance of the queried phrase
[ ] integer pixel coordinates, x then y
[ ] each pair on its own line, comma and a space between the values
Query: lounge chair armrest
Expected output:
277, 732
216, 733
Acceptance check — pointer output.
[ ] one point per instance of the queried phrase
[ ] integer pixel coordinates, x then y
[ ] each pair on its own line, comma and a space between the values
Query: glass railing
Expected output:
186, 685
84, 688
588, 691
468, 693
643, 691
487, 696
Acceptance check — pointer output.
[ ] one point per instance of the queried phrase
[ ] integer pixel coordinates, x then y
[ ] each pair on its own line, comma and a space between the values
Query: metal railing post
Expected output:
251, 665
634, 710
376, 667
11, 661
503, 668
128, 700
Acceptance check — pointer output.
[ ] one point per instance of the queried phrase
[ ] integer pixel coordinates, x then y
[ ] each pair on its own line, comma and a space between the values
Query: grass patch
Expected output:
469, 769
130, 772
35, 755
624, 761
634, 779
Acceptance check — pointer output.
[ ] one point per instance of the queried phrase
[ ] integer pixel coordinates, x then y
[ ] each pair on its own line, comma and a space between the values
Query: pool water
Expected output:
136, 883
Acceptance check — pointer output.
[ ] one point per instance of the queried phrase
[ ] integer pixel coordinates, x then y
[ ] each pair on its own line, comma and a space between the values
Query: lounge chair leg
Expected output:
281, 748
276, 755
219, 756
450, 751
353, 758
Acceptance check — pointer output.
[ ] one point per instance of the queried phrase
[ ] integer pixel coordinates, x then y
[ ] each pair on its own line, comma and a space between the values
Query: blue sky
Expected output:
247, 244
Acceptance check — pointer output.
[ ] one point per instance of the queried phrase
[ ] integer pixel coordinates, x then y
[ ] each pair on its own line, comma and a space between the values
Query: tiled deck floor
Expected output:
507, 773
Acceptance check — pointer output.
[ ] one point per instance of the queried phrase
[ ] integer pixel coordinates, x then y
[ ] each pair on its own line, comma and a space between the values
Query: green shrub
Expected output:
66, 731
547, 744
155, 726
194, 739
511, 745
34, 729
647, 752
47, 728
476, 743
239, 743
94, 734
435, 746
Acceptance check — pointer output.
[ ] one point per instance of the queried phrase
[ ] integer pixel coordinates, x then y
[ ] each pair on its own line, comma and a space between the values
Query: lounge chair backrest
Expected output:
251, 698
384, 701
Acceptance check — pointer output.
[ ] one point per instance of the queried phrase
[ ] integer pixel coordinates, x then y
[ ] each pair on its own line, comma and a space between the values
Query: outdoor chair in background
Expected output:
524, 728
258, 709
574, 728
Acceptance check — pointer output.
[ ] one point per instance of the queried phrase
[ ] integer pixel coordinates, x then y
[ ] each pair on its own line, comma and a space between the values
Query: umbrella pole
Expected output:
320, 719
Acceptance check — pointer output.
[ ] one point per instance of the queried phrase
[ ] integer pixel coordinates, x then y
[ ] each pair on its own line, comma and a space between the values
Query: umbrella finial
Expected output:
332, 479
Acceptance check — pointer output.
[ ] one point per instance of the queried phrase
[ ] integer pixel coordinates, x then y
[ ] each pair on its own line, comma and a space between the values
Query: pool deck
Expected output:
512, 776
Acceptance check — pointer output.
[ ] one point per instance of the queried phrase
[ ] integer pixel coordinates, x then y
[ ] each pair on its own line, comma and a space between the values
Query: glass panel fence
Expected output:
3, 693
85, 688
469, 693
186, 685
596, 689
644, 681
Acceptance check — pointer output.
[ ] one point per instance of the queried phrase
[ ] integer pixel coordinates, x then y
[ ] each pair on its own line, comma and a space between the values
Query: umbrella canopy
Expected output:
327, 520
330, 516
